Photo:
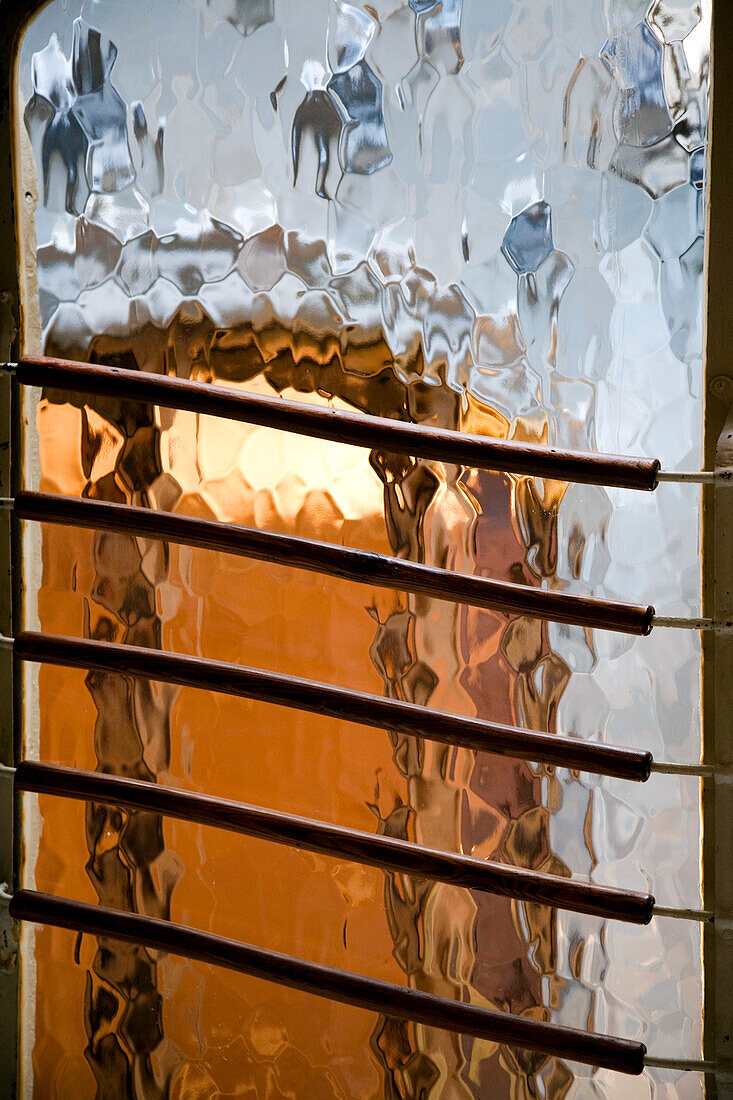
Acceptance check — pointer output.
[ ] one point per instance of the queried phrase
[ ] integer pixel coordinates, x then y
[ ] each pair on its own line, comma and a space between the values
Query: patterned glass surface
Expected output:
484, 216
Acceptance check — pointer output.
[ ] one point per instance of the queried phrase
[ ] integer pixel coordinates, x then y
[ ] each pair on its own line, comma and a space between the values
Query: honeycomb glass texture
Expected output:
486, 216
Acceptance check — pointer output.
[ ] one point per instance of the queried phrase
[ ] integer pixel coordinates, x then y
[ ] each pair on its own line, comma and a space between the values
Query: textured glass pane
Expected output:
487, 216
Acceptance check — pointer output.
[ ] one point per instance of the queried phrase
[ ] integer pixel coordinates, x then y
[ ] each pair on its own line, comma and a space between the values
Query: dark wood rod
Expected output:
372, 849
334, 702
336, 985
356, 429
337, 561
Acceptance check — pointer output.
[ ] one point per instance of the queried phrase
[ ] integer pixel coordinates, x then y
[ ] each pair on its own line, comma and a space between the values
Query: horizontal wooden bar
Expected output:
397, 436
337, 561
589, 1048
387, 853
334, 702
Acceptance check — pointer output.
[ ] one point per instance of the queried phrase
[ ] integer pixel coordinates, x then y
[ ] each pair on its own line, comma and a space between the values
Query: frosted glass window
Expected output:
486, 216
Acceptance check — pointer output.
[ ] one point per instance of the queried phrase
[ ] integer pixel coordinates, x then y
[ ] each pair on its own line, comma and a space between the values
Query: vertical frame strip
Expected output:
718, 568
13, 16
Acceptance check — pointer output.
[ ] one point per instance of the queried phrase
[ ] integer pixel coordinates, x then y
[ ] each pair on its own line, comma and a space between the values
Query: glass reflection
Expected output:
481, 216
